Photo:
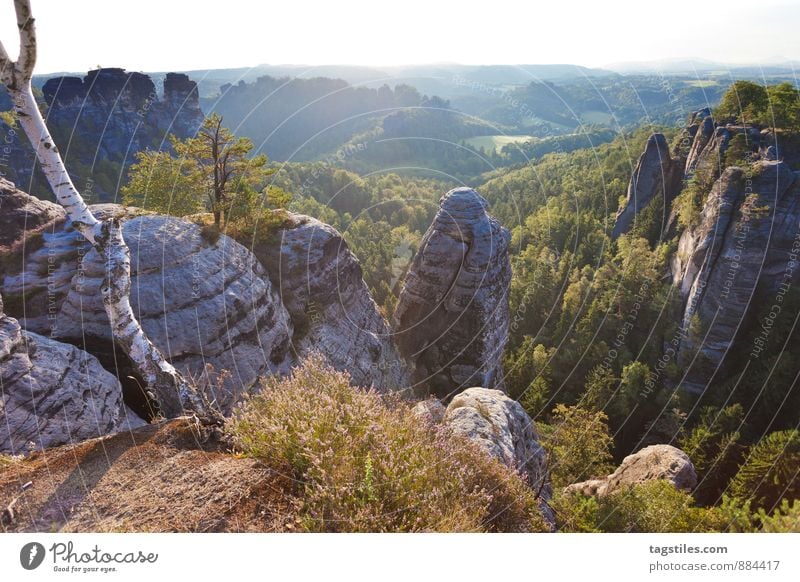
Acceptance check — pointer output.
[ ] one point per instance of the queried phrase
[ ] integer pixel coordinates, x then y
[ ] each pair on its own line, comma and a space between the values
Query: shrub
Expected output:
713, 446
785, 518
578, 445
653, 507
364, 462
770, 470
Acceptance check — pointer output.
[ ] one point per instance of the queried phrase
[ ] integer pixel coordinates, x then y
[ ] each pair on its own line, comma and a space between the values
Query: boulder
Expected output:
452, 317
657, 177
52, 393
503, 429
430, 411
332, 311
200, 299
656, 462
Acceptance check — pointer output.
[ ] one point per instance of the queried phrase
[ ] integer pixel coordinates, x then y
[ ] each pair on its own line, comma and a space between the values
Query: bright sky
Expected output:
158, 35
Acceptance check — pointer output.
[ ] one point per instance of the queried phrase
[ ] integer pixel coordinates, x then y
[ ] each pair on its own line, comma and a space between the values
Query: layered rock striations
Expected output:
657, 177
201, 301
451, 320
320, 282
737, 256
51, 393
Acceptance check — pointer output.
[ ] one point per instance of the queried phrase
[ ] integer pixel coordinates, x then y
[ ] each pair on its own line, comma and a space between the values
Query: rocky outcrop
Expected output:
201, 301
501, 426
320, 282
51, 393
657, 177
739, 253
105, 118
430, 411
23, 217
656, 462
451, 320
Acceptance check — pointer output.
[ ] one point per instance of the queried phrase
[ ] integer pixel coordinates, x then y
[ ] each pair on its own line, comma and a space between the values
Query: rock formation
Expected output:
320, 283
657, 177
430, 410
738, 254
502, 427
451, 320
105, 118
656, 462
51, 393
200, 301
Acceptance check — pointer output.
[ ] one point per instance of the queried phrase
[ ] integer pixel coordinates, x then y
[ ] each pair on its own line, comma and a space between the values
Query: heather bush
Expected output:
363, 462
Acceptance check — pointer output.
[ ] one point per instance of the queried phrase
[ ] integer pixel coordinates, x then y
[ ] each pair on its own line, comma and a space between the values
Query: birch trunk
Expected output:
164, 384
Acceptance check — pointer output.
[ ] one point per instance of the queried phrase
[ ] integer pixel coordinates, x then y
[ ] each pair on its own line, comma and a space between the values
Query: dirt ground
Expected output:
161, 477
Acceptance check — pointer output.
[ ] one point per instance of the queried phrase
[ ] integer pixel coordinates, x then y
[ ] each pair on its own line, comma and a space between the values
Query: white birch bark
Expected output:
170, 390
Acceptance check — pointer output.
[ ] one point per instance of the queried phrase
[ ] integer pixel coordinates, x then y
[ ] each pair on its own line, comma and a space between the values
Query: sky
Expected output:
163, 35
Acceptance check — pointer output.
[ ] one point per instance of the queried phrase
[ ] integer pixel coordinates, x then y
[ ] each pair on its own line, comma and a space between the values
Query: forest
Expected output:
591, 314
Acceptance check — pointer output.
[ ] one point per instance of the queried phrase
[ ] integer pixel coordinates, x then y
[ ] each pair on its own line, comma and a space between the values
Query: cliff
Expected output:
100, 121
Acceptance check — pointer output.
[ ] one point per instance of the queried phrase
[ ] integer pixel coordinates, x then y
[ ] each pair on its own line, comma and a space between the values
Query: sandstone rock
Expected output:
701, 129
23, 216
657, 176
430, 410
451, 320
113, 114
200, 302
738, 253
649, 464
320, 283
502, 428
52, 393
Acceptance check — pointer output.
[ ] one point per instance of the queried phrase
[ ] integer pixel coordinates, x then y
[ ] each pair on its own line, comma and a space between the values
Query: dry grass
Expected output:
158, 478
362, 463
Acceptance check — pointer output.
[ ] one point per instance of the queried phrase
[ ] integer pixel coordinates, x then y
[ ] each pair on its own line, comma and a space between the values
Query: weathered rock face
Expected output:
23, 217
200, 302
51, 393
656, 462
451, 320
701, 128
657, 177
430, 410
320, 282
739, 253
502, 427
106, 118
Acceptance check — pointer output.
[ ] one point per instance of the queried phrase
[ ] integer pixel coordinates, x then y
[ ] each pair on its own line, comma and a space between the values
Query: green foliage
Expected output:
652, 507
528, 375
713, 444
785, 518
689, 204
159, 182
744, 102
364, 463
770, 470
213, 169
578, 445
772, 106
